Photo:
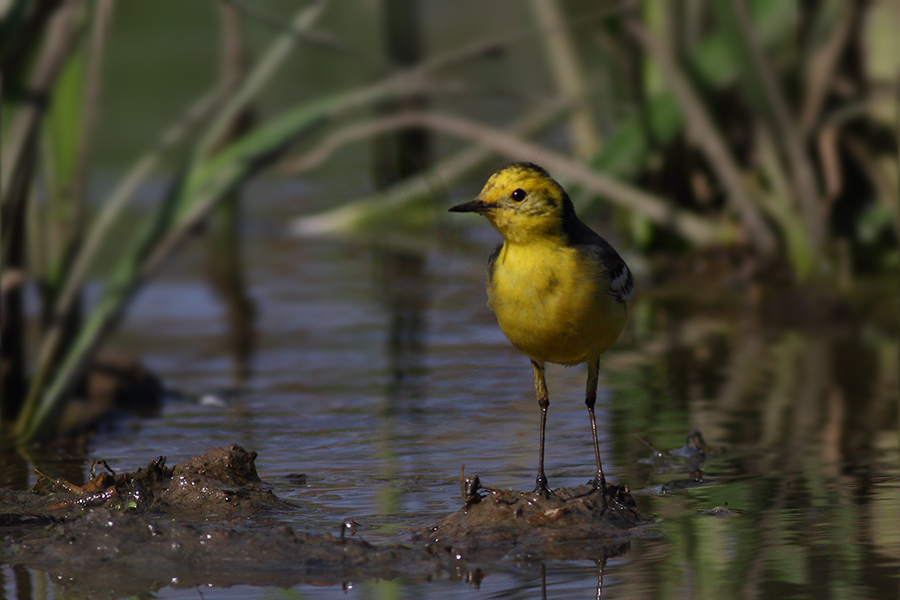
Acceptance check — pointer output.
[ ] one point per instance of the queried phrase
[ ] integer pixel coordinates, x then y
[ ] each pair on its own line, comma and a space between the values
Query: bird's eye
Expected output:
518, 195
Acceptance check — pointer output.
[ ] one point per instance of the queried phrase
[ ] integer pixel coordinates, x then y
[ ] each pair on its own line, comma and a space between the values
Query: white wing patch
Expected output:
621, 284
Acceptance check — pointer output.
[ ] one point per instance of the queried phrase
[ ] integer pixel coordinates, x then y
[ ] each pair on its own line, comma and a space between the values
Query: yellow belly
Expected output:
551, 303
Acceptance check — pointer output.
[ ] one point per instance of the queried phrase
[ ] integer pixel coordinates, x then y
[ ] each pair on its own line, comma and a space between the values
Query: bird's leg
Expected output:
540, 389
590, 399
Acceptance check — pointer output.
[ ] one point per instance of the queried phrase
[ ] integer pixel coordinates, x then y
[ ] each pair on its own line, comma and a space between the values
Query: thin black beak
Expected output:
475, 206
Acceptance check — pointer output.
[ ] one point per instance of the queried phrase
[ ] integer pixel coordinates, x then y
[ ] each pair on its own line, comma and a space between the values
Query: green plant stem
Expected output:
206, 181
16, 163
97, 233
775, 106
822, 66
710, 140
47, 393
569, 76
257, 78
222, 228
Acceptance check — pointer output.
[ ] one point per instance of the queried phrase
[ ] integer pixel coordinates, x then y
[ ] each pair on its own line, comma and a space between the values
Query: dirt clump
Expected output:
573, 523
221, 484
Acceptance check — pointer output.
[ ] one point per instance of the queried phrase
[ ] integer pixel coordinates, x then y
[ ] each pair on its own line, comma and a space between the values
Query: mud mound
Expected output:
124, 534
221, 484
573, 523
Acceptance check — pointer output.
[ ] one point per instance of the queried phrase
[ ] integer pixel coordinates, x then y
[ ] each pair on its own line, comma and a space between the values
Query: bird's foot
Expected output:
599, 483
542, 488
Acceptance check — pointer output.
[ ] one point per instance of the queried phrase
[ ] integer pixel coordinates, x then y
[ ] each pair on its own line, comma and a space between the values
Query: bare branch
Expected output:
658, 210
821, 68
806, 189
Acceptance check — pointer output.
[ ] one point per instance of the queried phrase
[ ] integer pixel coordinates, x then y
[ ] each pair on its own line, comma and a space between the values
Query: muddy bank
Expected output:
211, 520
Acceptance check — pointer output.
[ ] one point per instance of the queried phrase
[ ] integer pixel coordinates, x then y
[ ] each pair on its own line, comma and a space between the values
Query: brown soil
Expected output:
210, 520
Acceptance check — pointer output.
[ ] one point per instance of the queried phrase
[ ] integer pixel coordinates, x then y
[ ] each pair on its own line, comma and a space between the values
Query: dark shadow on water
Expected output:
405, 294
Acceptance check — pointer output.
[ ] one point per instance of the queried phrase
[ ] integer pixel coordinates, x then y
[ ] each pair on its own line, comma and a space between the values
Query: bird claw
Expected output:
542, 488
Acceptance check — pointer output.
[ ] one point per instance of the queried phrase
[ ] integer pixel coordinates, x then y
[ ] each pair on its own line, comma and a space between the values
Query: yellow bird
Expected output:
558, 289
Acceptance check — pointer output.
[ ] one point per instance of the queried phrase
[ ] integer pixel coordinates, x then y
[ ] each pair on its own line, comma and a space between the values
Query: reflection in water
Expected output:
224, 261
805, 423
225, 272
64, 459
403, 290
601, 564
404, 293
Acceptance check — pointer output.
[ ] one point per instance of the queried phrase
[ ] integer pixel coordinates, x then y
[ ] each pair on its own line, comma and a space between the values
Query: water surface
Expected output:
379, 375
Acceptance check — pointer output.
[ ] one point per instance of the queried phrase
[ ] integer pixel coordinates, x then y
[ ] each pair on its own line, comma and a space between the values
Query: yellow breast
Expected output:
551, 303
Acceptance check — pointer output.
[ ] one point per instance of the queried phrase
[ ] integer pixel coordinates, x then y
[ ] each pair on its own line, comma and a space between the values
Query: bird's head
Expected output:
523, 202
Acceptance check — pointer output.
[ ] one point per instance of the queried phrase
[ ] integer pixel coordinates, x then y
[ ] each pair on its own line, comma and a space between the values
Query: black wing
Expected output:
619, 280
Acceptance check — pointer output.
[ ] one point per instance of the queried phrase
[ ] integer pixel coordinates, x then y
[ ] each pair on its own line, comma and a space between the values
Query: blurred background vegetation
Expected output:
734, 144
